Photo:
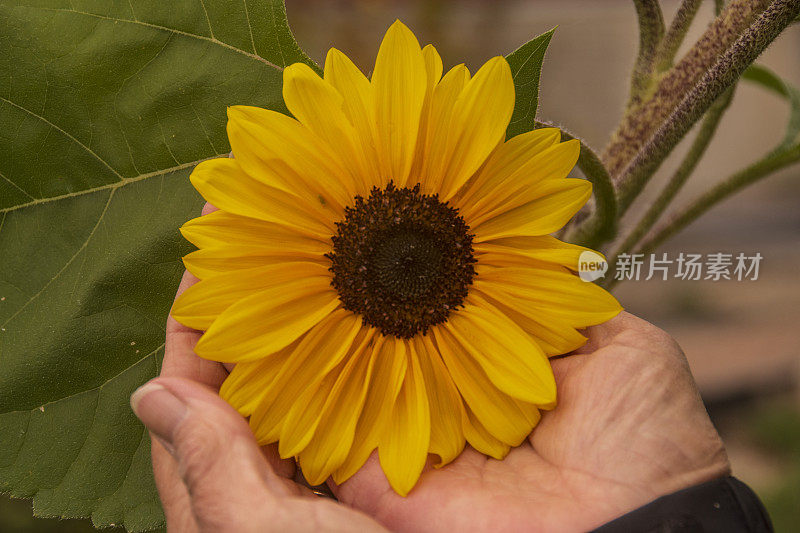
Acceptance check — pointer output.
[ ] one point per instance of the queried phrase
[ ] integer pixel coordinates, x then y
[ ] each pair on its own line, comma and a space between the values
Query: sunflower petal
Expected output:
479, 121
220, 228
510, 358
314, 356
209, 262
525, 251
358, 107
557, 202
301, 422
554, 335
223, 183
268, 320
199, 305
505, 192
481, 439
331, 444
433, 151
320, 107
505, 163
433, 64
496, 411
279, 151
434, 67
447, 434
248, 382
403, 447
399, 82
549, 292
387, 378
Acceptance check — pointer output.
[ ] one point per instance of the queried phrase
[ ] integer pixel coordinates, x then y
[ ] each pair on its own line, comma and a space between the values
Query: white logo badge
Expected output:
591, 266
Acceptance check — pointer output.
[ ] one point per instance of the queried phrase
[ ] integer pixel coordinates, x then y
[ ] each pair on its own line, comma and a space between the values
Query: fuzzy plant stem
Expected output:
765, 166
707, 130
642, 121
651, 32
601, 225
723, 74
665, 55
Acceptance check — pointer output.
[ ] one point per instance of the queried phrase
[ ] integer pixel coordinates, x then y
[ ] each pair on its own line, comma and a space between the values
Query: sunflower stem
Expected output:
707, 130
665, 55
723, 74
601, 225
651, 32
641, 122
762, 168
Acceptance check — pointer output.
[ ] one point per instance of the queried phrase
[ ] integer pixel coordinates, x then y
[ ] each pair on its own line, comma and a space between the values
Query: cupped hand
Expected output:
211, 474
629, 427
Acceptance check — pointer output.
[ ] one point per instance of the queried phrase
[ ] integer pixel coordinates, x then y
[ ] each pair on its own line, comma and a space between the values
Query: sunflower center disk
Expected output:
407, 264
402, 260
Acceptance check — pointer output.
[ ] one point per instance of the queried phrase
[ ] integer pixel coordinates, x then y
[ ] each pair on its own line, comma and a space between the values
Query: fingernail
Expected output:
158, 409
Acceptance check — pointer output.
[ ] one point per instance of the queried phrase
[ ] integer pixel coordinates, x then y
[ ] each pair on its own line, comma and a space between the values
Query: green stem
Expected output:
651, 31
707, 130
716, 80
601, 226
763, 167
665, 55
641, 122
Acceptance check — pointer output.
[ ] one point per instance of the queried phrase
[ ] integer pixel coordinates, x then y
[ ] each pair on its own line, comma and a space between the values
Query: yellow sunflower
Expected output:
380, 269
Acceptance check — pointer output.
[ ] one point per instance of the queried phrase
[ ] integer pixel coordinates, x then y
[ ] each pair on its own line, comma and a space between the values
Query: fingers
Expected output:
179, 357
215, 455
181, 361
208, 208
174, 497
602, 334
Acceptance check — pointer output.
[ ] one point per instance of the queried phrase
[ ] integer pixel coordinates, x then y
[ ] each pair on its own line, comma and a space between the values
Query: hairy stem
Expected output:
707, 130
724, 73
651, 32
642, 121
601, 225
764, 167
673, 39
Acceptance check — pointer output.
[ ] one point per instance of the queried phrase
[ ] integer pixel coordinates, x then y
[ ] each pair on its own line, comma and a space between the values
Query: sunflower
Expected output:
380, 269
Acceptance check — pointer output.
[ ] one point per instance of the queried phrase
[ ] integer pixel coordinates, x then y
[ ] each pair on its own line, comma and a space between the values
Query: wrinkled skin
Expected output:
629, 427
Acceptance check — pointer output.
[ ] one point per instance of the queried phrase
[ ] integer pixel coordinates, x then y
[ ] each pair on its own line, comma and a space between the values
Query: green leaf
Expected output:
526, 67
105, 107
766, 78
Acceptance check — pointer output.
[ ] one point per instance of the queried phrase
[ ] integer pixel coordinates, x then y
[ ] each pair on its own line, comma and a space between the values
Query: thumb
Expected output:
218, 459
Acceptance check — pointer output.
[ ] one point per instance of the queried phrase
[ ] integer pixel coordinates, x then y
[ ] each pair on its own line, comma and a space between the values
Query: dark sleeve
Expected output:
724, 505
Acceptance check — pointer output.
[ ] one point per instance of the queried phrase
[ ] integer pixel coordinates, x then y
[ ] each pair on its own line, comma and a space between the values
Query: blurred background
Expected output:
740, 336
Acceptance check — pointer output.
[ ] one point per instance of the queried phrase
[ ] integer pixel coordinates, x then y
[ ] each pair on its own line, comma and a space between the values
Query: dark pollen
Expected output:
402, 260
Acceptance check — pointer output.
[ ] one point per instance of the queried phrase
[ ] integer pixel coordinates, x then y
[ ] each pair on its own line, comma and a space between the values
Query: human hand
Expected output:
211, 474
629, 427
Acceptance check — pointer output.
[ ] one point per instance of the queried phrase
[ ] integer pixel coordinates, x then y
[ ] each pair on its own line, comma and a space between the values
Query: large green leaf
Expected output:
105, 106
526, 67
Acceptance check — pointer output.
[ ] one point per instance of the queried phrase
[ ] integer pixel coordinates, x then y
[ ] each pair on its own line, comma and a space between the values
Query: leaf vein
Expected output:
175, 31
69, 262
65, 133
249, 26
208, 20
93, 389
20, 189
112, 186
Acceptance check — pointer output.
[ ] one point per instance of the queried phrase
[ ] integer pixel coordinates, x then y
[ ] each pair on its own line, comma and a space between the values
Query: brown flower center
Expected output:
402, 260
